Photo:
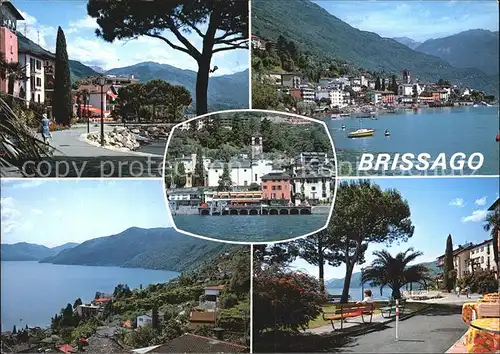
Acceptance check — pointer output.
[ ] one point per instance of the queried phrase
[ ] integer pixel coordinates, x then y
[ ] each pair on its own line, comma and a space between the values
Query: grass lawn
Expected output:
319, 322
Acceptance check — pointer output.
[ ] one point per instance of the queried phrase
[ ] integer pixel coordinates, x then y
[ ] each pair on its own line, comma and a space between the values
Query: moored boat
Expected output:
361, 133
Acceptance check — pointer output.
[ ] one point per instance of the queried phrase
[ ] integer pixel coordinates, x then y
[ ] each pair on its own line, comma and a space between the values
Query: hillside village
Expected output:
206, 309
341, 93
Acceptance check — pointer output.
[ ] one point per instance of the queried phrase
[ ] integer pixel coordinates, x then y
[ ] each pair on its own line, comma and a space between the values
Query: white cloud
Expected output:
9, 215
37, 211
28, 184
42, 35
83, 23
459, 202
477, 216
481, 201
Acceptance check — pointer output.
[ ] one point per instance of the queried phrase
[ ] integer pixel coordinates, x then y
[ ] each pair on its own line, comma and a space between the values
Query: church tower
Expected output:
257, 148
406, 76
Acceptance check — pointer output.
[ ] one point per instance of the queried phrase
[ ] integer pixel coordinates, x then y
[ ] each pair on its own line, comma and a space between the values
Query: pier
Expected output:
256, 210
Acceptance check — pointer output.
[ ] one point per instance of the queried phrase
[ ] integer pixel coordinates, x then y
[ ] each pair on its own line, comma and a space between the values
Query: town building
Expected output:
276, 187
33, 89
143, 320
307, 94
374, 97
312, 187
243, 172
258, 42
209, 301
107, 96
337, 99
406, 76
189, 163
322, 94
291, 79
9, 16
482, 256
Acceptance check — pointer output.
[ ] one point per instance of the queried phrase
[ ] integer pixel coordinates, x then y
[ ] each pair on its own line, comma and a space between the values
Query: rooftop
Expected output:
495, 205
276, 175
202, 316
191, 343
13, 9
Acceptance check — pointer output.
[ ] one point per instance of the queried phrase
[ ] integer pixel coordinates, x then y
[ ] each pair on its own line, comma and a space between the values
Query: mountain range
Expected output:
356, 277
315, 30
407, 42
224, 92
157, 248
23, 251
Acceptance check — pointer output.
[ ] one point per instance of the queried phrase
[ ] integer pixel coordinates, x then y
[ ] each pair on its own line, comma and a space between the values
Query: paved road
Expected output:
433, 331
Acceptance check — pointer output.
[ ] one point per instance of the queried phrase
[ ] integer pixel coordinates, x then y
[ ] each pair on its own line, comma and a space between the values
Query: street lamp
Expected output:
86, 109
101, 81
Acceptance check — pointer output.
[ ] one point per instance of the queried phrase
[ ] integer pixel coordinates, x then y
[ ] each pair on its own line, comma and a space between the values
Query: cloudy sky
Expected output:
418, 20
42, 17
439, 207
53, 212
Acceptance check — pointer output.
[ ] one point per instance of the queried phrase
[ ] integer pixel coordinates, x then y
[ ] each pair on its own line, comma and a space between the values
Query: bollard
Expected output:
397, 319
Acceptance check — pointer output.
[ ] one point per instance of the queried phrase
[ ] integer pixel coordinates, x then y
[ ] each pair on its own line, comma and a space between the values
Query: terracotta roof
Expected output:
199, 316
190, 343
102, 299
215, 287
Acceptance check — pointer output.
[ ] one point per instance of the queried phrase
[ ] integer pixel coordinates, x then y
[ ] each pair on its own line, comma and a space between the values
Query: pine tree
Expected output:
383, 85
199, 170
394, 85
225, 180
14, 330
155, 322
62, 101
377, 84
448, 271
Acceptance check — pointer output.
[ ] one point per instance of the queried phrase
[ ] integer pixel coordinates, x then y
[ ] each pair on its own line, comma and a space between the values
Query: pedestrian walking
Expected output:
458, 291
45, 128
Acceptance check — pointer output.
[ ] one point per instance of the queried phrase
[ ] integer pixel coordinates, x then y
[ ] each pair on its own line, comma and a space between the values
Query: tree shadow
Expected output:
442, 310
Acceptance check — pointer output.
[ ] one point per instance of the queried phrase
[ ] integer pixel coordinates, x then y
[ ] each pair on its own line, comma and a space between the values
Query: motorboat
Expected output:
361, 133
387, 132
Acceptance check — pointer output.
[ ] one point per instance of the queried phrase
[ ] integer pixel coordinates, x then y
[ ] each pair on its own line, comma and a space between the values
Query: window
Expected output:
482, 259
244, 170
245, 183
215, 171
255, 177
38, 65
313, 188
482, 249
274, 188
264, 187
38, 82
38, 98
282, 195
279, 188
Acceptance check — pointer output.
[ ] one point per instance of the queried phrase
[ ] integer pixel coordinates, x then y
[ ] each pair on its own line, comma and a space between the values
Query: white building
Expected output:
336, 99
187, 126
482, 256
313, 188
465, 92
307, 93
346, 96
33, 88
209, 301
189, 163
242, 172
321, 93
405, 90
144, 320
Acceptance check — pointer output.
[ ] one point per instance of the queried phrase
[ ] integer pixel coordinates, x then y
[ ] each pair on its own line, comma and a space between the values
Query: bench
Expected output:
345, 311
390, 309
330, 298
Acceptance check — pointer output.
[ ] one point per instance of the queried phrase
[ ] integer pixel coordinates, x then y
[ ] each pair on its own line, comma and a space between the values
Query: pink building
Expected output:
8, 38
276, 186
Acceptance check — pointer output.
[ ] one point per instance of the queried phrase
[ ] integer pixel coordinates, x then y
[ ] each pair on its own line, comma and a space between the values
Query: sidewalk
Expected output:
72, 143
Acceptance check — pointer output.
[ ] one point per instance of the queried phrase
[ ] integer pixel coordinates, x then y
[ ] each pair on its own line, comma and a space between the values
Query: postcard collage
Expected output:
249, 176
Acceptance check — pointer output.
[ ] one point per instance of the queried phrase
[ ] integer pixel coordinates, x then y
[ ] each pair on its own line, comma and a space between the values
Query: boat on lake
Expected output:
361, 133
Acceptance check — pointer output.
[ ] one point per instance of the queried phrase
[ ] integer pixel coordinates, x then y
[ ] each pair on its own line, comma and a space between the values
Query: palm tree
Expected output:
395, 272
492, 225
17, 142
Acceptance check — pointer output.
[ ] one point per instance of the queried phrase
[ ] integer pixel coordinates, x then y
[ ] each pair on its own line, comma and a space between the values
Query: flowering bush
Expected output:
285, 300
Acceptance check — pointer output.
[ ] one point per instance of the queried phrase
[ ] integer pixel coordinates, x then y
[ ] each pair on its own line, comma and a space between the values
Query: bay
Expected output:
33, 292
251, 228
432, 130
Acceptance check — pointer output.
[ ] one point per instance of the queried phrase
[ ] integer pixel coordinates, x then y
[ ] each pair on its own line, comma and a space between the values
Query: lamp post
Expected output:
86, 110
100, 81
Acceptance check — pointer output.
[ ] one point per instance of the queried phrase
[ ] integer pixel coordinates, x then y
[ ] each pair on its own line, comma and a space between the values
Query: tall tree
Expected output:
221, 24
177, 99
62, 101
383, 85
14, 330
155, 321
199, 170
492, 224
395, 272
449, 269
377, 84
365, 214
180, 176
225, 182
77, 303
132, 98
394, 85
315, 250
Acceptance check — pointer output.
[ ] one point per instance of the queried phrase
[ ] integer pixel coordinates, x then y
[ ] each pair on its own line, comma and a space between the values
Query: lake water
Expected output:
357, 293
33, 292
433, 130
251, 228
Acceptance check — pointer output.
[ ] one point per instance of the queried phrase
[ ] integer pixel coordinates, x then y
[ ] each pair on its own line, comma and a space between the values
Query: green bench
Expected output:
345, 311
390, 309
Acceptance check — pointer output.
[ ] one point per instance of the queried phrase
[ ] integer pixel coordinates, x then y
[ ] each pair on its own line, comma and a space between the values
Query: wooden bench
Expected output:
390, 309
344, 311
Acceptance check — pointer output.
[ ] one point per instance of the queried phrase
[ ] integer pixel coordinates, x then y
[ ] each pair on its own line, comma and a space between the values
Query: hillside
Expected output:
77, 69
159, 248
23, 251
356, 277
407, 42
226, 91
323, 34
474, 48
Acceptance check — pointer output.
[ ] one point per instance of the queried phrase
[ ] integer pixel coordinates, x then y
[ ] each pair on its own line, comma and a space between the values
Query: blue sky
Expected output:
438, 206
418, 20
53, 212
42, 17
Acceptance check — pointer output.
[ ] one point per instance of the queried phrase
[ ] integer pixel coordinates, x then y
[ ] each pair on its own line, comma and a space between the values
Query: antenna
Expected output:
25, 29
38, 37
